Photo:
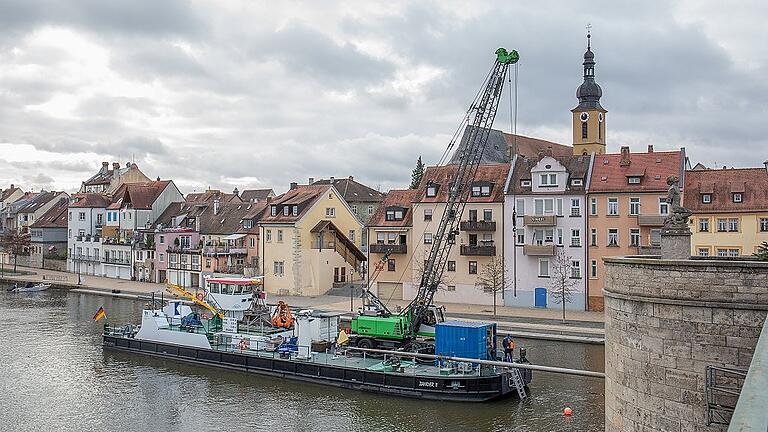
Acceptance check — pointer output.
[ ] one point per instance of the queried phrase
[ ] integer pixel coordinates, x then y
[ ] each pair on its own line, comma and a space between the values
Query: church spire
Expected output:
589, 92
589, 115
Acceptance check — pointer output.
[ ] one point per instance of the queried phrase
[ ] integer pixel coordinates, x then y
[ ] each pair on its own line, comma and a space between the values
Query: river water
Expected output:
56, 377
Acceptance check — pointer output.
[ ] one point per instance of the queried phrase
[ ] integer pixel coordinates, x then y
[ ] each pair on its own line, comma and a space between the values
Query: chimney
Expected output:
650, 148
104, 166
115, 165
13, 186
158, 178
765, 164
351, 178
311, 180
216, 205
332, 179
235, 191
294, 185
625, 161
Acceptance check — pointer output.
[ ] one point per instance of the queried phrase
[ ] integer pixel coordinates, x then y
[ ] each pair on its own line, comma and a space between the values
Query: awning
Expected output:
234, 236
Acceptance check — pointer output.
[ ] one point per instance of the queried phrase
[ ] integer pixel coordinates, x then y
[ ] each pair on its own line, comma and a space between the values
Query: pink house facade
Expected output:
177, 255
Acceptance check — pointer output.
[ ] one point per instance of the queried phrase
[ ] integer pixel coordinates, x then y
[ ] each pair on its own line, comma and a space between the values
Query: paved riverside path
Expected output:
537, 321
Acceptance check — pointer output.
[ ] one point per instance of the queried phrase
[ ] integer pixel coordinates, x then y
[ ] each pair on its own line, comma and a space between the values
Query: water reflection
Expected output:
57, 377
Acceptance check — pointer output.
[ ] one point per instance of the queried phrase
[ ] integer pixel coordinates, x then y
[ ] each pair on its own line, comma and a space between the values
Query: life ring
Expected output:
243, 344
200, 296
205, 316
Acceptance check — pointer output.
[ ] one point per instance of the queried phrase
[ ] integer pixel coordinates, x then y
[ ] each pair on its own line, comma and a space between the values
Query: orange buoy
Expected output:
567, 411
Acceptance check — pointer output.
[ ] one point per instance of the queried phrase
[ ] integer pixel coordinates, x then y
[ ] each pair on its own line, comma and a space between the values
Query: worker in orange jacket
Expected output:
509, 348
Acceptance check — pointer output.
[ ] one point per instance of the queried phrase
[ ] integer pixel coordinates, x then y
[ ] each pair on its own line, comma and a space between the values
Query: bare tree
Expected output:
16, 244
420, 266
562, 284
493, 278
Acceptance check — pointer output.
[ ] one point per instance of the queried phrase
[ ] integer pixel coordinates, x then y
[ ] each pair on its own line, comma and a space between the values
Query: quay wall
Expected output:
665, 322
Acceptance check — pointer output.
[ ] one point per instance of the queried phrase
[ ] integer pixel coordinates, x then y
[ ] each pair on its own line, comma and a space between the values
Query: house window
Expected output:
543, 206
663, 206
520, 236
269, 235
208, 262
613, 206
593, 206
703, 252
706, 198
279, 267
431, 190
354, 209
633, 180
352, 236
451, 266
390, 265
295, 210
279, 236
473, 267
634, 237
728, 252
575, 207
161, 257
525, 183
733, 224
634, 206
273, 210
252, 242
81, 216
520, 207
162, 239
703, 224
330, 211
613, 237
481, 191
427, 214
575, 269
560, 236
380, 238
473, 215
370, 210
559, 206
450, 288
543, 267
487, 215
593, 237
286, 210
655, 237
548, 180
577, 182
427, 238
391, 238
593, 269
763, 224
575, 238
394, 214
70, 216
99, 219
737, 197
722, 225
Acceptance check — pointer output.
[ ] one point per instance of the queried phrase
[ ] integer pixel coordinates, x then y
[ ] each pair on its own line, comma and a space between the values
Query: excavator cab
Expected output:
433, 316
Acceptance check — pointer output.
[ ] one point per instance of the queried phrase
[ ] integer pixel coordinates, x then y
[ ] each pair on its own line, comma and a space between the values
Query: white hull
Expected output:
33, 288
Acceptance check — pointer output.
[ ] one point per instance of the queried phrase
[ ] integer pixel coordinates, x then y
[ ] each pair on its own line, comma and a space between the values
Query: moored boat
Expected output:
30, 287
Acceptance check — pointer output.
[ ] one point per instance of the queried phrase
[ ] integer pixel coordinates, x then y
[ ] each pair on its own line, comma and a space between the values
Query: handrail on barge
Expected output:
552, 369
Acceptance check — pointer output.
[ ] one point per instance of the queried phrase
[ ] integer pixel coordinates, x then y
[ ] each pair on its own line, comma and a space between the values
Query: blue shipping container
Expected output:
469, 339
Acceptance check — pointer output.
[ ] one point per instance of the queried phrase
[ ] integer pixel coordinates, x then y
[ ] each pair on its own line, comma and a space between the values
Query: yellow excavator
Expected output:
199, 299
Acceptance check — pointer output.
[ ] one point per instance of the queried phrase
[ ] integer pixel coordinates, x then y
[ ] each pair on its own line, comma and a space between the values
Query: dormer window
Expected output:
706, 198
525, 183
273, 210
577, 182
295, 210
431, 190
738, 197
633, 180
286, 210
481, 189
548, 180
394, 213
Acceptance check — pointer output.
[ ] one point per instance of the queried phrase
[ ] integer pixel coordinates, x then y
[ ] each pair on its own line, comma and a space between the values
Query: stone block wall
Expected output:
665, 322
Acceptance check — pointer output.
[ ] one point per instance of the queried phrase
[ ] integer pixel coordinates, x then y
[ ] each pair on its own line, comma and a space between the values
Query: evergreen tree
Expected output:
417, 174
762, 251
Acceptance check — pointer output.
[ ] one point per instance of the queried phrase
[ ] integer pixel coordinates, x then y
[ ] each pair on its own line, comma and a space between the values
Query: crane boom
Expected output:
476, 135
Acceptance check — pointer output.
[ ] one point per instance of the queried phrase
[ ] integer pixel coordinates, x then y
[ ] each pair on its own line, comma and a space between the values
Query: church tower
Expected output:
589, 115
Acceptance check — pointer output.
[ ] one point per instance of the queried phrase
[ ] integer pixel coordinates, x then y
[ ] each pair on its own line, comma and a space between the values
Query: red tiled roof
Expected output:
530, 147
210, 195
608, 175
256, 194
302, 196
55, 217
398, 198
140, 195
442, 175
7, 193
752, 183
90, 200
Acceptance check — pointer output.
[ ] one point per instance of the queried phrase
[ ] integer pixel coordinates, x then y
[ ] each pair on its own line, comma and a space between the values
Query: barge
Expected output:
175, 332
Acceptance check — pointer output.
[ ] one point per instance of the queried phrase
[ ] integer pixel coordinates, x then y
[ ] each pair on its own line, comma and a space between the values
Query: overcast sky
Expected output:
247, 94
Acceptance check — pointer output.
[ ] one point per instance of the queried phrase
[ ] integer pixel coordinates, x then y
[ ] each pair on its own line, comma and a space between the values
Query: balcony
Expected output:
82, 257
381, 248
539, 250
183, 250
478, 225
238, 251
540, 221
88, 238
118, 261
478, 250
116, 241
650, 220
184, 266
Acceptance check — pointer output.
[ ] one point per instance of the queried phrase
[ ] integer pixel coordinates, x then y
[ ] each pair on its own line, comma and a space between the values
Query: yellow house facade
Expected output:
730, 210
308, 240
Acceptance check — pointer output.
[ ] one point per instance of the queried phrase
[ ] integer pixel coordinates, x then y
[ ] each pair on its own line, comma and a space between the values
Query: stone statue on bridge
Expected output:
678, 215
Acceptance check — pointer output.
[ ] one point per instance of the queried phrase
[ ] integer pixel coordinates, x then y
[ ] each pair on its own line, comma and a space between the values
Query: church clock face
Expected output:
584, 116
600, 117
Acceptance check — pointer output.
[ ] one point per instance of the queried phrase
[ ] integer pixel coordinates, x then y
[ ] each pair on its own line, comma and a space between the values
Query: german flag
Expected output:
99, 314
